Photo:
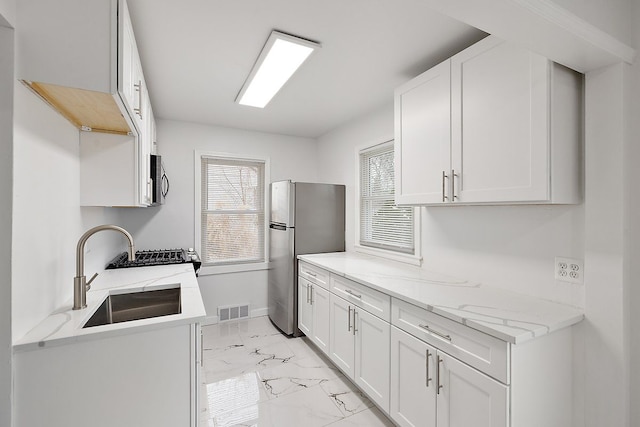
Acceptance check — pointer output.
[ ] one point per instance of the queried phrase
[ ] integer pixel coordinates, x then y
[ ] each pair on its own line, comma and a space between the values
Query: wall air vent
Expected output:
233, 312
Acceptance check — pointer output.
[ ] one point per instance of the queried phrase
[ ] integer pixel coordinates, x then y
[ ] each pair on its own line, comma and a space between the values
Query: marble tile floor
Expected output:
255, 376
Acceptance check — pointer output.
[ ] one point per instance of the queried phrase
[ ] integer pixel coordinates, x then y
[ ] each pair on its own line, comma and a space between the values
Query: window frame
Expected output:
229, 268
416, 257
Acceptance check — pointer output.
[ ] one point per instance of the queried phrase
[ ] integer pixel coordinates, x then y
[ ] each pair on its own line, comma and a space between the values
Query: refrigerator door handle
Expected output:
277, 226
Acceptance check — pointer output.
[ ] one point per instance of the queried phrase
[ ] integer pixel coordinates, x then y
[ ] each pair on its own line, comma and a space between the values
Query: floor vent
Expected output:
232, 312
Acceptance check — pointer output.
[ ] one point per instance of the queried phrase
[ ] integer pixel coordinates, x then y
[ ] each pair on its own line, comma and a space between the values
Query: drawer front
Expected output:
373, 301
484, 352
314, 274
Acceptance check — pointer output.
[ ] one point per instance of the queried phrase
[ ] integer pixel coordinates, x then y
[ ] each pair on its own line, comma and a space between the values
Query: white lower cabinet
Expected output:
468, 397
148, 378
425, 370
372, 336
359, 346
430, 388
313, 313
341, 347
413, 385
320, 302
305, 310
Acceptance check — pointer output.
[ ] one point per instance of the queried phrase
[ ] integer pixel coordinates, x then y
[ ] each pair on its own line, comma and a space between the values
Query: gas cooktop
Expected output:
157, 257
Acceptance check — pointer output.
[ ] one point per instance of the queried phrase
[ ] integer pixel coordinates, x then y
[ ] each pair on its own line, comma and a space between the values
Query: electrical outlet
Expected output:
569, 270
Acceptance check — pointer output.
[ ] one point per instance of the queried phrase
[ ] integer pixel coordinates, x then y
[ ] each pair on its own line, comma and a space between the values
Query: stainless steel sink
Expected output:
136, 305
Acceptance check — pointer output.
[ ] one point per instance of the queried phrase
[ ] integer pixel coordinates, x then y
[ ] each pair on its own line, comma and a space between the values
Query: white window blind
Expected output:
233, 213
382, 224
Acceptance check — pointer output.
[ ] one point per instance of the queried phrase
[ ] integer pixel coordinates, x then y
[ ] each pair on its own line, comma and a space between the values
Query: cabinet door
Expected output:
372, 336
196, 373
320, 301
305, 318
423, 137
145, 144
341, 346
128, 61
413, 381
500, 129
468, 397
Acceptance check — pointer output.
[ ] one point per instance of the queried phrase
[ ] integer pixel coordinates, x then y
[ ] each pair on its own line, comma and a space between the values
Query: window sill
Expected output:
232, 268
395, 256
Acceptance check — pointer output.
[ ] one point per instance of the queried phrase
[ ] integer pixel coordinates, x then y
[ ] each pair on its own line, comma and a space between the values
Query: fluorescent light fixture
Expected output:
281, 56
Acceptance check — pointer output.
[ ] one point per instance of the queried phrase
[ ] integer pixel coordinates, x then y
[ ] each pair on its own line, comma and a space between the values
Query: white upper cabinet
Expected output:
423, 146
494, 124
81, 57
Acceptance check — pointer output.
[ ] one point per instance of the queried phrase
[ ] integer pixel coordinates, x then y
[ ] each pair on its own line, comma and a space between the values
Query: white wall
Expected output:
172, 224
6, 184
632, 225
47, 218
8, 13
605, 326
611, 16
511, 247
337, 155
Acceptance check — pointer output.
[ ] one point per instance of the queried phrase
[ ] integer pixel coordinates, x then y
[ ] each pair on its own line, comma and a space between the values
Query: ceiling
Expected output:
196, 55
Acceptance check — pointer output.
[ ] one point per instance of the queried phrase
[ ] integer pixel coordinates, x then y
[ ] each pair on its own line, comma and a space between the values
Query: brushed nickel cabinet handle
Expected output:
311, 297
310, 274
349, 319
438, 383
444, 177
433, 331
429, 379
354, 321
454, 175
307, 293
201, 349
350, 292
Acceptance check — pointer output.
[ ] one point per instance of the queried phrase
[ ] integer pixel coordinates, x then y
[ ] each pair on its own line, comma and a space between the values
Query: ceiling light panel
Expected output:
281, 56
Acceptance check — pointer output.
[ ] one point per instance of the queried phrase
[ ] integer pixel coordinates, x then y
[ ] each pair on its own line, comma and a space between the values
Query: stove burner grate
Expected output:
156, 257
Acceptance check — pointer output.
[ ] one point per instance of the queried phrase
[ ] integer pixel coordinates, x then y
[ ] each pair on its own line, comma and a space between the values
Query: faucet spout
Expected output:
80, 285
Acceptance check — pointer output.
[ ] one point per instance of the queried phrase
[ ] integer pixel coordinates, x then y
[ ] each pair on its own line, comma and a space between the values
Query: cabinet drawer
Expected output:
484, 352
314, 274
374, 302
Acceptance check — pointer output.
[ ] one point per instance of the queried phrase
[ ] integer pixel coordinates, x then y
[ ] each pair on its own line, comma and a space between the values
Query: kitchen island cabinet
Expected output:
494, 124
453, 353
140, 372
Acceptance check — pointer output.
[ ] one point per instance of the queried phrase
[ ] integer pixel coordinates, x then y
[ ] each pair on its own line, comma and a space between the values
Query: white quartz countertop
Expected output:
64, 326
506, 315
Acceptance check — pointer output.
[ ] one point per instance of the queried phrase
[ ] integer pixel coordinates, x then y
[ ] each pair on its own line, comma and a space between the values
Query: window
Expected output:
383, 225
232, 210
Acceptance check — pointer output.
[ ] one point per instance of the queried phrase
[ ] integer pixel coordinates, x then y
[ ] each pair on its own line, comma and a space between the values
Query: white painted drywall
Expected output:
47, 218
605, 327
611, 16
172, 224
8, 13
6, 184
337, 156
632, 224
511, 247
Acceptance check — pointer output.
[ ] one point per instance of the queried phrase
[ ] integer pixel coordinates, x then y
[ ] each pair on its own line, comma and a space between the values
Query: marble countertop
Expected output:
64, 326
506, 315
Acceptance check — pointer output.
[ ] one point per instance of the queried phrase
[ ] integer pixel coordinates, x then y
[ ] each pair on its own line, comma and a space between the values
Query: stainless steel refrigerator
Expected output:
306, 218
